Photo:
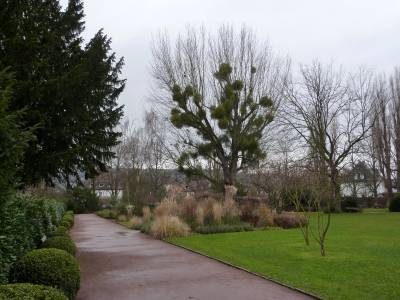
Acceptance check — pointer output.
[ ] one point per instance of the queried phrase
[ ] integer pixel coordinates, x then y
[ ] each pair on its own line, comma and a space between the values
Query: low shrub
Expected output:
288, 220
135, 222
83, 200
265, 216
394, 205
106, 213
223, 228
60, 242
61, 230
122, 218
52, 267
68, 218
27, 291
144, 228
166, 226
24, 222
350, 204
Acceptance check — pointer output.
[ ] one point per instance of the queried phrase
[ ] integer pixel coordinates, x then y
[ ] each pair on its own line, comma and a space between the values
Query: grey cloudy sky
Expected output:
348, 32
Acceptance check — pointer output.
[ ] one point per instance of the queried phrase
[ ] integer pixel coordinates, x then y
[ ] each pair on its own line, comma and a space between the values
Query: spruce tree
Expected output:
69, 91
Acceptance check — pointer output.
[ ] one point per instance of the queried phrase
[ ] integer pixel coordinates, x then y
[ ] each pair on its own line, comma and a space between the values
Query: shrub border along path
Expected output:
120, 263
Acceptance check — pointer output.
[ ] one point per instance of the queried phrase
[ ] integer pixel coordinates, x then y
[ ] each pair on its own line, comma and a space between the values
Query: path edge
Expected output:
245, 270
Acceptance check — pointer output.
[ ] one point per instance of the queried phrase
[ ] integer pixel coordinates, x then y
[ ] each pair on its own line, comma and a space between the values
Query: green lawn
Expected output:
362, 262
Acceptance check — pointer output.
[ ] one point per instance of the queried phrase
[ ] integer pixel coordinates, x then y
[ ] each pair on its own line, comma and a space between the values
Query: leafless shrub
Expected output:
290, 220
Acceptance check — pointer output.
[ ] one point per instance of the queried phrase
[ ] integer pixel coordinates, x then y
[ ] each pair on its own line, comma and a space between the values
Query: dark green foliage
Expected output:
68, 219
24, 222
83, 200
52, 267
68, 90
145, 228
350, 204
13, 137
223, 228
60, 230
60, 242
240, 118
394, 205
27, 291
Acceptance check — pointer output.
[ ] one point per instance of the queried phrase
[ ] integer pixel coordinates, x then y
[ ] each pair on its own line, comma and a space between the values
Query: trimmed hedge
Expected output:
223, 228
394, 205
52, 267
24, 222
60, 242
27, 291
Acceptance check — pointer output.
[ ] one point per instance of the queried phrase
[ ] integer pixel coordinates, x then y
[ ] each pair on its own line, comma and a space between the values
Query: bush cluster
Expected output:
52, 267
106, 213
350, 204
27, 291
24, 223
394, 205
60, 242
83, 200
223, 228
289, 220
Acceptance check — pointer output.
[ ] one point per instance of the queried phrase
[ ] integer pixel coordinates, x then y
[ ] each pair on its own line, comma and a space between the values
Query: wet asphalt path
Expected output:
122, 264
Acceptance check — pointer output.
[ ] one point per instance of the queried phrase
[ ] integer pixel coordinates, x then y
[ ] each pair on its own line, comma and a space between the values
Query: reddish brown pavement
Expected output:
121, 264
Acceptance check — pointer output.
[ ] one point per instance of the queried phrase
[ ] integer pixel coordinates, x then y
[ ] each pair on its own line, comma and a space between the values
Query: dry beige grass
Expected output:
167, 226
217, 212
230, 208
167, 207
146, 215
265, 216
135, 221
199, 215
122, 218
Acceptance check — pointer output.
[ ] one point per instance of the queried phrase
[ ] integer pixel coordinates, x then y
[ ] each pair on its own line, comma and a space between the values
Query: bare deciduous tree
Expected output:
331, 112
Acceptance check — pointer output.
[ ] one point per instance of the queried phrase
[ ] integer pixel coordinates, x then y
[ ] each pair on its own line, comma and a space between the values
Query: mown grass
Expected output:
362, 262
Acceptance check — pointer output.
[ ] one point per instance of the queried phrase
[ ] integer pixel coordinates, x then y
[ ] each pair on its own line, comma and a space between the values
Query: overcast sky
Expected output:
348, 32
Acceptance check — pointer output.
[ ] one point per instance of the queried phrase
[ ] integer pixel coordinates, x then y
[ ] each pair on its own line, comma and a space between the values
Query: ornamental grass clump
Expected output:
265, 216
167, 207
146, 217
167, 226
217, 212
199, 215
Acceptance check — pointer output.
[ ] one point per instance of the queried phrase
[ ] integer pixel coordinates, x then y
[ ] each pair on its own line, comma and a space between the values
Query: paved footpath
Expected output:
122, 264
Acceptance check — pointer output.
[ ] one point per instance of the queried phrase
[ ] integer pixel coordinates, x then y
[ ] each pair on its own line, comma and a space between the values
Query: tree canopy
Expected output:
69, 90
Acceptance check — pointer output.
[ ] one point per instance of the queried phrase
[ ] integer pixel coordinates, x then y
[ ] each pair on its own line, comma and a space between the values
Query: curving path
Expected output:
118, 263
